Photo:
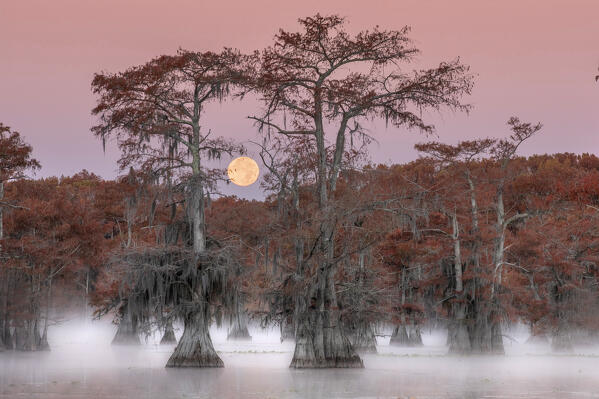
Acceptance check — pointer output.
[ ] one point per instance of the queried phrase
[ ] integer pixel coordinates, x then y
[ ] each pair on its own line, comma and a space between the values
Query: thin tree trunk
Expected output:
289, 328
400, 337
44, 339
86, 303
458, 338
361, 334
5, 333
27, 334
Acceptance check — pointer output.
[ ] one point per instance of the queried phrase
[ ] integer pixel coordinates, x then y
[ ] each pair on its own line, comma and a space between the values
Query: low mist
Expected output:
83, 364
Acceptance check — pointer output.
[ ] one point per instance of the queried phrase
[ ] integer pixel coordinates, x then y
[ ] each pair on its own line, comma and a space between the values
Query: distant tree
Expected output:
476, 310
15, 159
54, 234
459, 163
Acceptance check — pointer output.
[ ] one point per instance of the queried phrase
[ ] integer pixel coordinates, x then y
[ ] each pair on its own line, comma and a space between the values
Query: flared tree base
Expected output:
414, 337
562, 343
7, 339
458, 338
195, 347
239, 334
539, 339
195, 361
363, 339
43, 345
487, 339
287, 332
126, 338
399, 337
352, 363
28, 339
126, 333
169, 336
320, 347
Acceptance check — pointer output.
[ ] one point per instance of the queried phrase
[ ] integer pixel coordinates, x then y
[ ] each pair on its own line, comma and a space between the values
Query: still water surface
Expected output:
82, 364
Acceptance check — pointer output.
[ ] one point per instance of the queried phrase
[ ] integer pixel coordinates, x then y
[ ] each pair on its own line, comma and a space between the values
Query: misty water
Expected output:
83, 364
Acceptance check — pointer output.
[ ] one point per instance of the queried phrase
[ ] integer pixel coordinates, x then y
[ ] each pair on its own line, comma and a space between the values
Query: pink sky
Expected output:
535, 59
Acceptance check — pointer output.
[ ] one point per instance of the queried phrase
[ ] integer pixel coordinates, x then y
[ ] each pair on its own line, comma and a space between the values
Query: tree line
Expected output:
470, 237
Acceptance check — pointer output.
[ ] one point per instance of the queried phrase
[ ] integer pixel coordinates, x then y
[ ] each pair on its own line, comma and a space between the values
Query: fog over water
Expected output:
83, 364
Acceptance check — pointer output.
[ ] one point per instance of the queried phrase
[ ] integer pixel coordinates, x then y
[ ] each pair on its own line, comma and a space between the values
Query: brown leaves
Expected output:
505, 149
15, 155
168, 90
153, 111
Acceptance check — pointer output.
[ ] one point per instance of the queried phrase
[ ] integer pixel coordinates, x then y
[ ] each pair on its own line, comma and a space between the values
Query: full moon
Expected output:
243, 171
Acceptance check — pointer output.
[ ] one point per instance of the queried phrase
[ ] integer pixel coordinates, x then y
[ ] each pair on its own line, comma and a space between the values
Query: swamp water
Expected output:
83, 364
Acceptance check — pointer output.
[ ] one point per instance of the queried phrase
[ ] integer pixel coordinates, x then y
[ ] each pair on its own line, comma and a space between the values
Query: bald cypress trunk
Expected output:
239, 329
399, 337
537, 338
496, 337
127, 332
289, 325
320, 344
458, 338
28, 336
8, 337
22, 341
27, 333
287, 330
362, 338
561, 342
3, 274
414, 335
1, 213
43, 344
195, 347
361, 333
320, 340
168, 338
485, 335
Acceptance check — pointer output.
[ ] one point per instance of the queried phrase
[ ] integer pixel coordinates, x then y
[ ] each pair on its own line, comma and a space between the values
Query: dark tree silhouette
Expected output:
321, 79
